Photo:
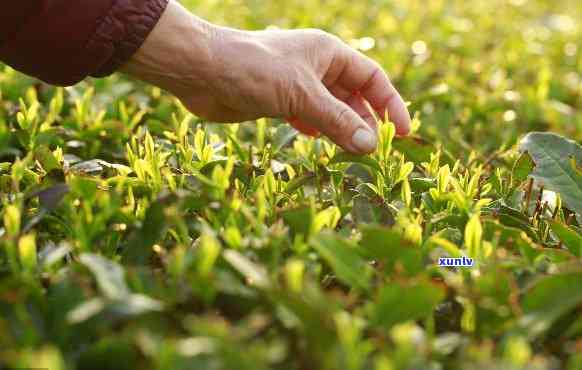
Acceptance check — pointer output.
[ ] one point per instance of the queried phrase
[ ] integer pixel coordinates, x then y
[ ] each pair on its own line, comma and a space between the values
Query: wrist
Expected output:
178, 54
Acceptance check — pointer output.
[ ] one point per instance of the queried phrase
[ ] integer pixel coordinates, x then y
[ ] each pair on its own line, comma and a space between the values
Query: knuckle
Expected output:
339, 124
321, 37
297, 97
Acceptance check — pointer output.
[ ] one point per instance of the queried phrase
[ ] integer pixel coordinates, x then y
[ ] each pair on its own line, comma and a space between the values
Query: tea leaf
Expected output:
396, 302
254, 273
571, 239
109, 275
522, 168
345, 157
389, 246
343, 258
552, 154
548, 299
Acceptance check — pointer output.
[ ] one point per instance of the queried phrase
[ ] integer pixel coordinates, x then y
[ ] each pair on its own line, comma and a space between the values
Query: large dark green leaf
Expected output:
553, 156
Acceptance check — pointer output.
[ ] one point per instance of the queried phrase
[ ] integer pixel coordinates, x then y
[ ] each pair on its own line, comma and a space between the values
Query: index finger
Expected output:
362, 74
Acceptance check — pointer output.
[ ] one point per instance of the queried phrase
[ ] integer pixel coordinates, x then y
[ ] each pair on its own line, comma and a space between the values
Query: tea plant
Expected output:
135, 235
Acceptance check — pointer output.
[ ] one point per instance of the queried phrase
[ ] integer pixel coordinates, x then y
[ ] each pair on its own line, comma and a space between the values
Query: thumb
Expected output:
336, 120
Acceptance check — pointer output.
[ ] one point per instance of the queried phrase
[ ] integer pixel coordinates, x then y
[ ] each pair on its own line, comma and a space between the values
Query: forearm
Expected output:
14, 15
177, 55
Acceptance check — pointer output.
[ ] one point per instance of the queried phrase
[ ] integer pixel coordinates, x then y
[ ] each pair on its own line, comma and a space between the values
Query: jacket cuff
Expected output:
124, 30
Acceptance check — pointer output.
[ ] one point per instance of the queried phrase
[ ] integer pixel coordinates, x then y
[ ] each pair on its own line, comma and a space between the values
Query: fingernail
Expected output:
364, 140
403, 129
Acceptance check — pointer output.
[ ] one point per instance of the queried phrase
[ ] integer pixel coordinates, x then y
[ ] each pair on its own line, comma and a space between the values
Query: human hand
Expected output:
308, 77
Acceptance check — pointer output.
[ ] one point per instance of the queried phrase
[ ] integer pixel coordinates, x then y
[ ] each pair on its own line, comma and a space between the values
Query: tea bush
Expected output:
136, 235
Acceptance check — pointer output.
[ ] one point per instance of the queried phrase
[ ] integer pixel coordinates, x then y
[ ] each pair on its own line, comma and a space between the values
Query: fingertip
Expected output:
399, 114
364, 140
403, 127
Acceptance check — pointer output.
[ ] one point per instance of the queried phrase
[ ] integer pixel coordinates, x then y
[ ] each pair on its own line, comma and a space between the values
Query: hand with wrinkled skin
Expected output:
306, 76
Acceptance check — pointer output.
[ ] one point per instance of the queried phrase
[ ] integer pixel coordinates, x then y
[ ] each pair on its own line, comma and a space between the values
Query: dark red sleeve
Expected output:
63, 41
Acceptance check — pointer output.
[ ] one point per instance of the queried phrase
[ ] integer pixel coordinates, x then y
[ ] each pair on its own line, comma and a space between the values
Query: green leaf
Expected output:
299, 182
310, 312
345, 157
299, 219
328, 217
139, 247
513, 218
50, 198
52, 254
46, 158
397, 302
418, 150
109, 275
405, 171
548, 299
388, 246
344, 259
522, 168
83, 187
112, 352
92, 166
474, 236
415, 149
511, 237
28, 252
12, 219
242, 171
552, 155
135, 304
420, 184
86, 310
366, 211
571, 239
255, 274
284, 134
